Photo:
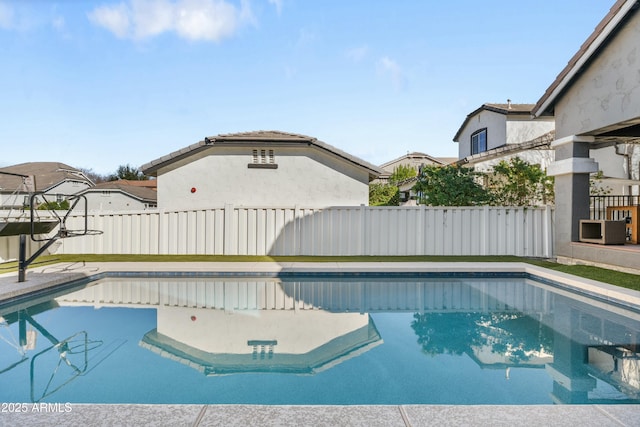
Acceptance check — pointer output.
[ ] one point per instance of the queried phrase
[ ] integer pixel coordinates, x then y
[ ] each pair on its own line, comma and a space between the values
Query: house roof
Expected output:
413, 155
47, 175
447, 160
506, 109
144, 194
147, 183
249, 138
603, 32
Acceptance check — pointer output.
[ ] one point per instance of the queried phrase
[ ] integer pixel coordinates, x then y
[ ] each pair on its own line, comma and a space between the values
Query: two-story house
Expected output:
595, 100
496, 132
56, 180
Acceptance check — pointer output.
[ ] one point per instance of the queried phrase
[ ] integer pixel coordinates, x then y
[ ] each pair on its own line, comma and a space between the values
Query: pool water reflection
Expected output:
315, 341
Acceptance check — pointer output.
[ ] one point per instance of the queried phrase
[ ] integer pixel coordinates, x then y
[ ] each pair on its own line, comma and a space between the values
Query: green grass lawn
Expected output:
617, 278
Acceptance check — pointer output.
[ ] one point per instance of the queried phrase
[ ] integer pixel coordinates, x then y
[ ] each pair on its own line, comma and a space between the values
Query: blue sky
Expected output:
98, 84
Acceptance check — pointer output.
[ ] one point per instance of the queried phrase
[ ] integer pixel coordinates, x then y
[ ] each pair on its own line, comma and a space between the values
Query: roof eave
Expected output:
153, 166
590, 47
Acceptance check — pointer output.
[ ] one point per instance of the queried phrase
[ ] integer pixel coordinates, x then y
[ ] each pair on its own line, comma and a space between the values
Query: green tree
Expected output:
596, 185
450, 186
128, 172
383, 195
513, 335
54, 206
519, 183
402, 173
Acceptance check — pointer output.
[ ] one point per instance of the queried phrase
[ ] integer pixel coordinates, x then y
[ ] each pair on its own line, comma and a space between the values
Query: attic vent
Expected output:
266, 156
263, 159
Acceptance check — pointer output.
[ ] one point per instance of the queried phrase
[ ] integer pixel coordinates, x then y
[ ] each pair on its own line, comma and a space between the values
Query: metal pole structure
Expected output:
22, 258
24, 263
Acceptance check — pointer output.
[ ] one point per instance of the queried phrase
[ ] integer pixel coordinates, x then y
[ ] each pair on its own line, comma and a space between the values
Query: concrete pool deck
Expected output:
369, 416
45, 277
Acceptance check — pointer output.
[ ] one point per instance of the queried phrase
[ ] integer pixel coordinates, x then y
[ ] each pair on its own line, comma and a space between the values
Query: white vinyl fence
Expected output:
354, 230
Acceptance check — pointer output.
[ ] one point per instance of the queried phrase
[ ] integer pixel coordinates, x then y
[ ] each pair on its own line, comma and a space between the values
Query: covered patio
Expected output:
596, 103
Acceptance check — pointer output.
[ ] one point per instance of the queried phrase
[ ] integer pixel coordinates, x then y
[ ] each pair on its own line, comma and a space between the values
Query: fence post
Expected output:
548, 232
296, 232
228, 230
485, 230
421, 232
363, 230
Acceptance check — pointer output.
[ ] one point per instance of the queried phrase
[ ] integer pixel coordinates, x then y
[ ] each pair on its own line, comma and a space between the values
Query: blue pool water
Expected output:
319, 341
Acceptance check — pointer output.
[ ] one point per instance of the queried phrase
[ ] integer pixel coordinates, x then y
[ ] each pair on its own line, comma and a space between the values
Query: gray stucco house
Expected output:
596, 103
261, 169
495, 132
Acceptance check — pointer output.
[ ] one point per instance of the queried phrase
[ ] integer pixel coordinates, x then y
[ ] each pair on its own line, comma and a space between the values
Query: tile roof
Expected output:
248, 138
507, 109
144, 194
47, 175
447, 160
147, 183
603, 32
415, 154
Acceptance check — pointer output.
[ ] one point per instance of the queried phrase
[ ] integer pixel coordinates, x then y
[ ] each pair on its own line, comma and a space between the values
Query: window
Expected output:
479, 141
263, 159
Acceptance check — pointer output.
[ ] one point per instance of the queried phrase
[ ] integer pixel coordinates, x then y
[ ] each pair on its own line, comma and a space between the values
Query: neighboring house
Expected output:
122, 195
55, 180
262, 168
537, 151
496, 132
416, 160
596, 103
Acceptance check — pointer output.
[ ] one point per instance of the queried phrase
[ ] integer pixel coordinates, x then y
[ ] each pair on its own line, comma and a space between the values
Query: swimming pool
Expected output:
347, 339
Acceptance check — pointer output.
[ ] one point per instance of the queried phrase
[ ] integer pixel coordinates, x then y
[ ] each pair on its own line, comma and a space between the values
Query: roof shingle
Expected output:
47, 175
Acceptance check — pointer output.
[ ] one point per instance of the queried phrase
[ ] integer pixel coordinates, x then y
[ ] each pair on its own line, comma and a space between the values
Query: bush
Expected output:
383, 195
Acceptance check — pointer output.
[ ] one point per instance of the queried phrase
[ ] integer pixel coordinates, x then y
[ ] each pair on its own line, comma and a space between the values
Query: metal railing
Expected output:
599, 204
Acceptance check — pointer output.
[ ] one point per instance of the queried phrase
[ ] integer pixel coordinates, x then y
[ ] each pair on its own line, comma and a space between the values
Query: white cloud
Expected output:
113, 18
151, 17
278, 5
211, 20
205, 19
390, 68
